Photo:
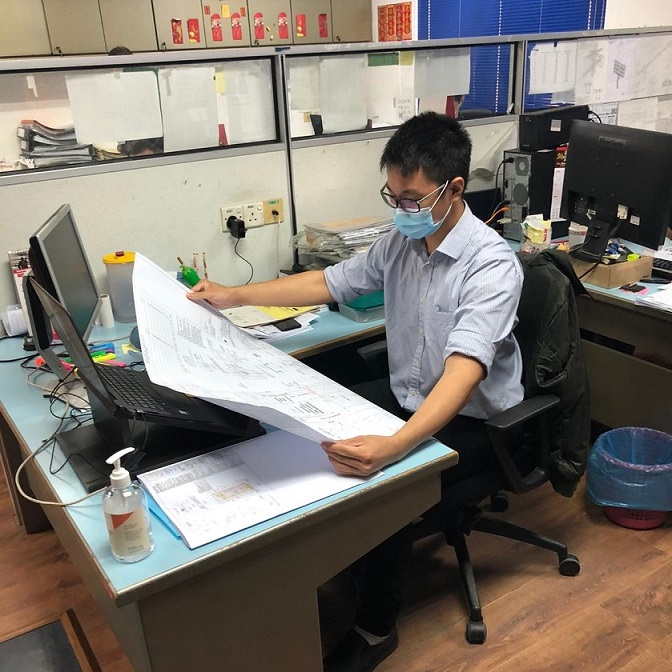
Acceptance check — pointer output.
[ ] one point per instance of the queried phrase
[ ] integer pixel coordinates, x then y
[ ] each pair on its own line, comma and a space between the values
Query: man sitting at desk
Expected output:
452, 287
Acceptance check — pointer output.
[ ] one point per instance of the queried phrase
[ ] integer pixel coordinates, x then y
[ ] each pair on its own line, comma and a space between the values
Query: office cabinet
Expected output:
23, 29
226, 25
75, 26
351, 20
311, 21
270, 21
128, 23
179, 24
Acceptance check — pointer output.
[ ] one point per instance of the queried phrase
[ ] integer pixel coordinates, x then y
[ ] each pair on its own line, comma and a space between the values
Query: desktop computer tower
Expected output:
528, 185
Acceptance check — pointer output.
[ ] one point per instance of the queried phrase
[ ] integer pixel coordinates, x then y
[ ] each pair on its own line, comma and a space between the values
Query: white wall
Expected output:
643, 14
334, 182
161, 211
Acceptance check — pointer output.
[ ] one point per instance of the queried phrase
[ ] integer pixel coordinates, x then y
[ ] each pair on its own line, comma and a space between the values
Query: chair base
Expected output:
473, 519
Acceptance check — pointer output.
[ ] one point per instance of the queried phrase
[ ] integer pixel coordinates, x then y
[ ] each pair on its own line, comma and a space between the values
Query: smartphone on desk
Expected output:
288, 324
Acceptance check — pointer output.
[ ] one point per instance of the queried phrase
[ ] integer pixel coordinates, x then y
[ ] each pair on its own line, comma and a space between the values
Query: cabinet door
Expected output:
311, 21
179, 24
75, 26
270, 21
128, 23
226, 25
23, 29
351, 20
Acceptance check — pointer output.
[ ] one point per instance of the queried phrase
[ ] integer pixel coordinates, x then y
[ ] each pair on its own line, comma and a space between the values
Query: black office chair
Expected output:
528, 453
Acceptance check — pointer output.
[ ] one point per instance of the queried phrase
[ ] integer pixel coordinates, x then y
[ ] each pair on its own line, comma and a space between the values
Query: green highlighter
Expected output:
189, 275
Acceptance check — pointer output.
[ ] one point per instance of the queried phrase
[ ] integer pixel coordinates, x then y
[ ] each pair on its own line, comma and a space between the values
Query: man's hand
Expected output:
363, 455
218, 296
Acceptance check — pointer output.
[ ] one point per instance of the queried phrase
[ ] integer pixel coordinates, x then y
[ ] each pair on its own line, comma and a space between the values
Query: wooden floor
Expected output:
616, 616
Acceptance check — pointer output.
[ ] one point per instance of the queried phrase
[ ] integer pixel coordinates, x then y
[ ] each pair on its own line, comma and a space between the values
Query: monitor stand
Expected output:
597, 239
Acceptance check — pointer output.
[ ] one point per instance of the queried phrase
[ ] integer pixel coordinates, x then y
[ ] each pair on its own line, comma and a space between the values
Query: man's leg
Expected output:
382, 571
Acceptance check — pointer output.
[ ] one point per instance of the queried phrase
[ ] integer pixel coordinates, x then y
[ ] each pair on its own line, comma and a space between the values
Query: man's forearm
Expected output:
301, 289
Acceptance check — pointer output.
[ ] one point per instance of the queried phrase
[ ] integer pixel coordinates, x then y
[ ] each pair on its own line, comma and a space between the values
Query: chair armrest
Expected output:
375, 358
525, 410
505, 429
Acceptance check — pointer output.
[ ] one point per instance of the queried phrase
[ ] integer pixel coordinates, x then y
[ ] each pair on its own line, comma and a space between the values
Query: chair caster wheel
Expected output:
476, 632
499, 502
569, 565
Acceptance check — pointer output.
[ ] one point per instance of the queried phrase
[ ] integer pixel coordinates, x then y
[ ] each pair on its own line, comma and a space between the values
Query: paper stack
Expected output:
43, 146
332, 242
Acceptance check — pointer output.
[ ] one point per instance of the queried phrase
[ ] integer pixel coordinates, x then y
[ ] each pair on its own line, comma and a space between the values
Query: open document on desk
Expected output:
192, 348
219, 493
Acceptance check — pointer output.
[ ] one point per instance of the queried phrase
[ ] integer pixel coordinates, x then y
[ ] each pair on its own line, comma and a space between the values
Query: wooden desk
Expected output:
627, 390
246, 603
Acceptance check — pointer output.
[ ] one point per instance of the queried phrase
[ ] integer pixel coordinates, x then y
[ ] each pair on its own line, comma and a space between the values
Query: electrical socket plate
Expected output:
253, 215
230, 211
269, 207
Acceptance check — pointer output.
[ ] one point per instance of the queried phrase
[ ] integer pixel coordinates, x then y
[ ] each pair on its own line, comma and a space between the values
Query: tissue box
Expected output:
614, 275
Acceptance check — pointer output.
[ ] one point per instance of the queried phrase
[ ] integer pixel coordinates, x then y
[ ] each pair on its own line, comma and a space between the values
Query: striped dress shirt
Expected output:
462, 298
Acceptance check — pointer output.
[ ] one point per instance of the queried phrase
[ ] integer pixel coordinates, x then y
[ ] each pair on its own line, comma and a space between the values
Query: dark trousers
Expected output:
381, 572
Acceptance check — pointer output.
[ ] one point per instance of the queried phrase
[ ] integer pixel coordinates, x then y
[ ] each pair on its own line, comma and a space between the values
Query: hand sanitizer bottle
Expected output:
126, 514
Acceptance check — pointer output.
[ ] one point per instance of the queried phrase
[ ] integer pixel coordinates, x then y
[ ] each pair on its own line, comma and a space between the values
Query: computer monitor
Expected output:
60, 265
618, 182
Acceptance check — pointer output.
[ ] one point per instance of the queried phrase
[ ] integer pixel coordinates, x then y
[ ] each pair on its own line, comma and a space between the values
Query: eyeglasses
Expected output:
410, 204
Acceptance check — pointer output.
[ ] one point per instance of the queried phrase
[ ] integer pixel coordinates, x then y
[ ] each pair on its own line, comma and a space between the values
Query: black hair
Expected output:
433, 143
144, 145
119, 51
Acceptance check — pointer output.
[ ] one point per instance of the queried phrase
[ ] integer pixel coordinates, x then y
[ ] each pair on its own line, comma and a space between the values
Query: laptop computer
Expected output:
128, 409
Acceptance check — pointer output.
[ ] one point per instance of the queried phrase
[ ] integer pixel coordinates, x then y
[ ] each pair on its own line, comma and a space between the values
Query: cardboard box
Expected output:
614, 275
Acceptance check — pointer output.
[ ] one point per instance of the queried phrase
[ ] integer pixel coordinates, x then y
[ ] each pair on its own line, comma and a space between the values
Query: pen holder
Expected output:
119, 267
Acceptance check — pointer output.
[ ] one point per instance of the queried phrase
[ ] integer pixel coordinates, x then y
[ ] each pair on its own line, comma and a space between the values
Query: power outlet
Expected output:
253, 215
230, 211
271, 207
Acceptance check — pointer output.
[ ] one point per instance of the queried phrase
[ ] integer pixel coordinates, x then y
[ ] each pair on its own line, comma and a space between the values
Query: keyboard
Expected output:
129, 388
662, 268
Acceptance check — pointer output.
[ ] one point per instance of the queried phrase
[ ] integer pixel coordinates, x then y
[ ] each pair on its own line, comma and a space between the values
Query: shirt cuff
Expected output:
471, 344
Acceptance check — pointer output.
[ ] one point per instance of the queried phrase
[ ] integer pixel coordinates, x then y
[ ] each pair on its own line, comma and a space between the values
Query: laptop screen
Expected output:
75, 346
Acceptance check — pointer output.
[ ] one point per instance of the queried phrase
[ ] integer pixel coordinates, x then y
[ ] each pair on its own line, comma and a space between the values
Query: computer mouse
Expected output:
134, 338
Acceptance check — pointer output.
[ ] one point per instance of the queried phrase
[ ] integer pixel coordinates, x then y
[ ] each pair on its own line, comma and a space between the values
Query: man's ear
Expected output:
456, 188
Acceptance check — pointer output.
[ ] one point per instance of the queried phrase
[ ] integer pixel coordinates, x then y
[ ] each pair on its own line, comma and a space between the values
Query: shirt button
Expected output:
414, 393
419, 332
422, 299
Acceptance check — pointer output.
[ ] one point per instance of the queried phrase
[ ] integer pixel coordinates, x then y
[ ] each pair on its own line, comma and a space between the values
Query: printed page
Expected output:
192, 348
227, 490
115, 106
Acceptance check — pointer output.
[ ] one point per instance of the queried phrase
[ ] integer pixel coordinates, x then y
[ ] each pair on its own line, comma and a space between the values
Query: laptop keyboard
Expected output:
129, 388
662, 268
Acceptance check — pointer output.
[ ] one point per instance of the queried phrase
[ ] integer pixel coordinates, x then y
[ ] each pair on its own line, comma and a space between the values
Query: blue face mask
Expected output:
417, 225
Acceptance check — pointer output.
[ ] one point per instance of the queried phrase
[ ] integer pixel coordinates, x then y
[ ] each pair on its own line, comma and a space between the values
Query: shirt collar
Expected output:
454, 244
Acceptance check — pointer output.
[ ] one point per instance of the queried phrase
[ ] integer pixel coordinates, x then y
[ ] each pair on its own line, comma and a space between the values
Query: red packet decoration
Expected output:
206, 10
407, 24
323, 25
300, 25
216, 24
283, 26
176, 27
258, 26
236, 27
194, 31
